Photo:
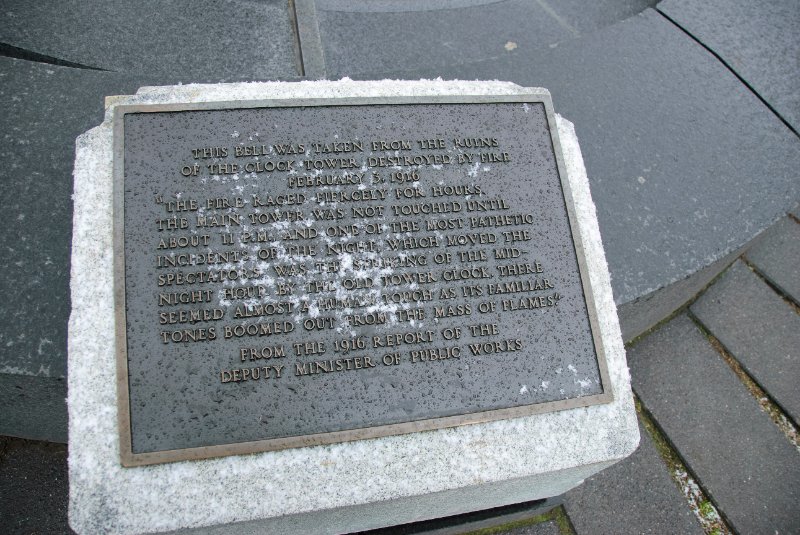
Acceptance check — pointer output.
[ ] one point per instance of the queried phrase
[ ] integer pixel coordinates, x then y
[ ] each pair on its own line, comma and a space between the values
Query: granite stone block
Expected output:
686, 164
758, 40
759, 329
228, 41
776, 255
637, 495
321, 488
394, 35
521, 515
746, 465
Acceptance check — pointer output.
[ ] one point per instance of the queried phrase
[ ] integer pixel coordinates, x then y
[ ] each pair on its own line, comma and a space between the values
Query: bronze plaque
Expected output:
292, 273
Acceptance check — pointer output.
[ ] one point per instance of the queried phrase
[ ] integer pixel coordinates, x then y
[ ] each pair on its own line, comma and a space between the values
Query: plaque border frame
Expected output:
130, 459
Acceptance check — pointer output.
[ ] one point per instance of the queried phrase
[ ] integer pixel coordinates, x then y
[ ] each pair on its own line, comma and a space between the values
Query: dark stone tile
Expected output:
758, 40
45, 108
640, 315
205, 39
685, 163
747, 466
390, 35
33, 407
636, 495
777, 256
34, 488
759, 329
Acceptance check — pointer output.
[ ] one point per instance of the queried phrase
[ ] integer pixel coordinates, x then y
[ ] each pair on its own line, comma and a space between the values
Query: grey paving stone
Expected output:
635, 496
45, 108
186, 41
33, 407
777, 256
759, 329
686, 164
640, 315
395, 35
796, 211
748, 467
758, 40
33, 488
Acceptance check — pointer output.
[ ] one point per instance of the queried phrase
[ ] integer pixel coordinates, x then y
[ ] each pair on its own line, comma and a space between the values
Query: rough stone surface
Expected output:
33, 407
637, 495
229, 41
759, 329
45, 108
686, 163
777, 257
392, 35
33, 487
758, 40
638, 316
747, 466
350, 518
388, 485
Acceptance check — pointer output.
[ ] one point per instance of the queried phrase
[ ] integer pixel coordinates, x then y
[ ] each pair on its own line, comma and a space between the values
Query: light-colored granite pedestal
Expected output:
331, 488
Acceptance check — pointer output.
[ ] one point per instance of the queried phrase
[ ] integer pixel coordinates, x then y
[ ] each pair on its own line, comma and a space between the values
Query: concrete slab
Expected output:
637, 495
746, 465
685, 163
764, 335
758, 40
33, 484
777, 257
227, 41
392, 35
